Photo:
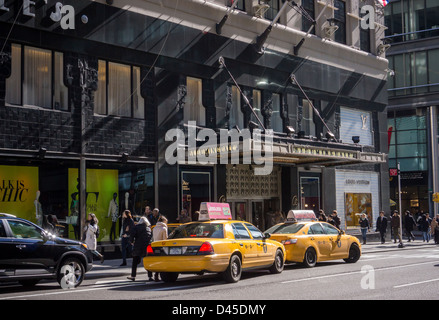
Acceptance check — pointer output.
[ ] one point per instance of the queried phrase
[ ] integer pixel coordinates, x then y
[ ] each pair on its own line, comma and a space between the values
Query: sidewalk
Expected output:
112, 268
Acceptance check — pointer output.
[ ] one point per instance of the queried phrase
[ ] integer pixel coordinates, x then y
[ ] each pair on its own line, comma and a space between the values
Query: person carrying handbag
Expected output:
91, 233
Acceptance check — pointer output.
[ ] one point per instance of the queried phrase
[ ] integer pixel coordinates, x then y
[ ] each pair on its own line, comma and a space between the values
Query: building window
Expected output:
13, 83
101, 93
307, 123
419, 18
36, 78
236, 115
119, 91
272, 12
239, 6
340, 21
308, 5
276, 119
408, 144
415, 73
194, 109
257, 104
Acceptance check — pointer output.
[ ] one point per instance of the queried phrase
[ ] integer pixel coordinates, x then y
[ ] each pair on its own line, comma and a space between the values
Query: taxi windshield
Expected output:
198, 230
285, 228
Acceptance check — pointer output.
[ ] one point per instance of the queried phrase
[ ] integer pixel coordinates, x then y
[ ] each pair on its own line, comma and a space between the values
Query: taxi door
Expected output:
339, 243
265, 252
317, 236
246, 245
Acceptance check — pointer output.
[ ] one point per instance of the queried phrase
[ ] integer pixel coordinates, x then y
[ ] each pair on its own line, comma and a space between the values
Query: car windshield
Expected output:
284, 228
198, 230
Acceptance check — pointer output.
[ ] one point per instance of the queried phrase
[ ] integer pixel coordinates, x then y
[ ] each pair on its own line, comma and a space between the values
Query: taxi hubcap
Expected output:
235, 269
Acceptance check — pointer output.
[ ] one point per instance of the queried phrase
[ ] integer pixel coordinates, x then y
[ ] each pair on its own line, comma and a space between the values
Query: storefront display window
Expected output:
52, 188
357, 204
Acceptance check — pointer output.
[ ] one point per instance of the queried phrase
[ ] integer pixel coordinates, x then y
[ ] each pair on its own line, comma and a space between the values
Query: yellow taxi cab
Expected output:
214, 244
309, 241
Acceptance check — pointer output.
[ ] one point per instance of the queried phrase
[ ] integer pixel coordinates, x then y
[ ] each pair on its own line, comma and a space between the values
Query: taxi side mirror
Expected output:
267, 235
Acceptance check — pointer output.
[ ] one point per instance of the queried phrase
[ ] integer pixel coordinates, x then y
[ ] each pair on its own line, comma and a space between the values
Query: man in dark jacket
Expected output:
382, 226
409, 225
140, 237
396, 226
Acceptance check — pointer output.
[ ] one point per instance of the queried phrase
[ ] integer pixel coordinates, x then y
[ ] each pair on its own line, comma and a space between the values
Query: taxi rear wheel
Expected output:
310, 258
169, 276
278, 264
234, 270
354, 254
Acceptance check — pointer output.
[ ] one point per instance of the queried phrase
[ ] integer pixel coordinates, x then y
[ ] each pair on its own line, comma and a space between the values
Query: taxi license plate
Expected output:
175, 251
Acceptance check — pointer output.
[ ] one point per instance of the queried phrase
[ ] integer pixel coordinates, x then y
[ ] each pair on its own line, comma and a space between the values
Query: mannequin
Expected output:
38, 209
113, 211
127, 196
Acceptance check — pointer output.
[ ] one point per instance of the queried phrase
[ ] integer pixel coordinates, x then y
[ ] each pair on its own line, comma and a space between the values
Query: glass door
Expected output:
257, 214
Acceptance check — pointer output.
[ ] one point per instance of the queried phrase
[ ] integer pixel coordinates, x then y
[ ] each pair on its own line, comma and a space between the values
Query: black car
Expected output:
29, 254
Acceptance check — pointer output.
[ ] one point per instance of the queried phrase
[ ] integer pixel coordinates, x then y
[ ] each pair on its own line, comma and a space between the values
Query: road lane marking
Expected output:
96, 288
354, 272
415, 283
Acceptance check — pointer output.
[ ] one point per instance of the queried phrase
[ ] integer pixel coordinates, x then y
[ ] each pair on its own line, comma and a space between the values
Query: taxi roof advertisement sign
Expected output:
296, 215
215, 211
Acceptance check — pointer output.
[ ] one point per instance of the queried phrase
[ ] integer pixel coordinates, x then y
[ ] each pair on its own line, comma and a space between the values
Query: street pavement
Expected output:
112, 268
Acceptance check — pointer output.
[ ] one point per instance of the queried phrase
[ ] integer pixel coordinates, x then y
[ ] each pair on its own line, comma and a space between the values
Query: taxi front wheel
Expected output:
354, 254
278, 264
234, 270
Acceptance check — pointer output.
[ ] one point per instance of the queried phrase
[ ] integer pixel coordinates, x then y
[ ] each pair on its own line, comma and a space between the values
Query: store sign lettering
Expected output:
13, 191
65, 14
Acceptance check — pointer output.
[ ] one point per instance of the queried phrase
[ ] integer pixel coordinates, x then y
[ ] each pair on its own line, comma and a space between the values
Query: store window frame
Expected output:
340, 21
134, 93
309, 7
274, 9
240, 5
55, 75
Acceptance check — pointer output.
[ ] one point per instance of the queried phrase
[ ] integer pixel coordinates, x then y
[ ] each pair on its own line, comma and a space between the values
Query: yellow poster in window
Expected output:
101, 186
18, 192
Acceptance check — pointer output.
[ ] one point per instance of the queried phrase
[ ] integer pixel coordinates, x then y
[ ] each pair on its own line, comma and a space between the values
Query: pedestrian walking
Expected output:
409, 225
127, 226
140, 237
381, 226
435, 230
91, 233
396, 226
160, 232
365, 227
424, 227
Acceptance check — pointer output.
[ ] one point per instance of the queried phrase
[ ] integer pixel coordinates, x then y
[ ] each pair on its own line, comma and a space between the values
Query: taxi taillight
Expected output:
289, 241
206, 249
149, 250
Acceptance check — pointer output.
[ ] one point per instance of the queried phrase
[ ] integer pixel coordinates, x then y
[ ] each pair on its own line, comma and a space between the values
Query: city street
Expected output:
383, 272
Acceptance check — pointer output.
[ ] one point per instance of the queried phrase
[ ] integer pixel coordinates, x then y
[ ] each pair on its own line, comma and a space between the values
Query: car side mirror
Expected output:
267, 235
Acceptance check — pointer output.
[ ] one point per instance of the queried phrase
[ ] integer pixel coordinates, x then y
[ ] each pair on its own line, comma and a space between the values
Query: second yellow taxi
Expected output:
309, 241
221, 246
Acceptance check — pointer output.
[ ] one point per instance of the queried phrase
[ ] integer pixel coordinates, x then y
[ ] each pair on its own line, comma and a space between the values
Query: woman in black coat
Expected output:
140, 237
